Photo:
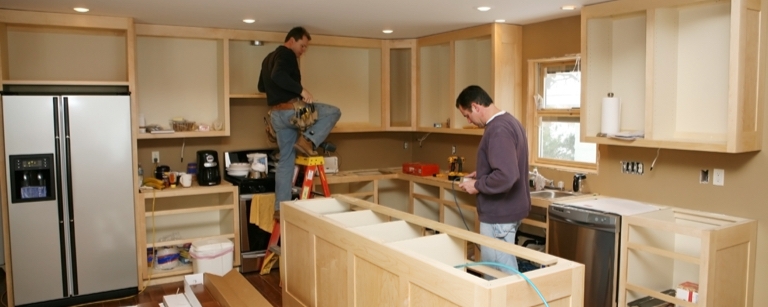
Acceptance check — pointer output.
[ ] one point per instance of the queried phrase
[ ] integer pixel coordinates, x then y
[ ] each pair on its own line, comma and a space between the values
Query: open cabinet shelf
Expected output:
649, 55
662, 249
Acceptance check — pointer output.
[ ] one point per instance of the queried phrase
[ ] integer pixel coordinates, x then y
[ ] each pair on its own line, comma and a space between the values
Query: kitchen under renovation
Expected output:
568, 153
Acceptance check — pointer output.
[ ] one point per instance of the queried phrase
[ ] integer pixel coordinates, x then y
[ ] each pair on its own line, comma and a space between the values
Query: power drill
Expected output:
456, 167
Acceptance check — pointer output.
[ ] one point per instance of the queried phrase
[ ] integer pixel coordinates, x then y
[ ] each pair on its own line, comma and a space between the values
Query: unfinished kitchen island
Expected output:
343, 251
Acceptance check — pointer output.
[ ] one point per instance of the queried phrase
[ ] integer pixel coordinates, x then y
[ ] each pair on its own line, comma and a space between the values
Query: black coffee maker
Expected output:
208, 168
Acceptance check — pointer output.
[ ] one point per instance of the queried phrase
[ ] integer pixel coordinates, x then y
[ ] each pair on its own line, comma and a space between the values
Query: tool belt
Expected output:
305, 115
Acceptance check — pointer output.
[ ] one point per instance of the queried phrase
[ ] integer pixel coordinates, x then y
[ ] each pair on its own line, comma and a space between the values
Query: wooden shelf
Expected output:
181, 269
474, 131
178, 135
188, 240
181, 210
254, 95
661, 249
64, 82
195, 189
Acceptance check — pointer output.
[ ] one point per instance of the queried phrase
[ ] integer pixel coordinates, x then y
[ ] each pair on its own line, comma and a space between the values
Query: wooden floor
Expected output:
268, 286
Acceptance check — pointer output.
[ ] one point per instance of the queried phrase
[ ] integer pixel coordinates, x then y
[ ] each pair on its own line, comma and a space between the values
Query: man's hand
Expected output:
471, 175
469, 184
306, 96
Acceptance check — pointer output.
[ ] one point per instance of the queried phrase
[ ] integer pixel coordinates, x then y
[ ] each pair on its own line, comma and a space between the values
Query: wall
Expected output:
355, 150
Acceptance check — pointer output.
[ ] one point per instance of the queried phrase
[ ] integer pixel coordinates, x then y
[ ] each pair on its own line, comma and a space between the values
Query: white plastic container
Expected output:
212, 256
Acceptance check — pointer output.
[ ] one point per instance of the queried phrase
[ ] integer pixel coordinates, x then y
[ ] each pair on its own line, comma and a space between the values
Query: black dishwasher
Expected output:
591, 238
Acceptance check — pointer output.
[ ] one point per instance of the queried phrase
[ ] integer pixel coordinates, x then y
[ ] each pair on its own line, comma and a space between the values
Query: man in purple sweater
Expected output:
499, 181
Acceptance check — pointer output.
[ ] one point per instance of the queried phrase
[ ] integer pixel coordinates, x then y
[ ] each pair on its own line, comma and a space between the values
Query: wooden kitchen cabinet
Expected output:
245, 67
181, 72
185, 215
661, 249
687, 72
343, 251
52, 49
400, 111
489, 56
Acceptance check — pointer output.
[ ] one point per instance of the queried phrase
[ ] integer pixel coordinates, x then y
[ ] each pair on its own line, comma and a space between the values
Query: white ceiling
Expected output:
356, 18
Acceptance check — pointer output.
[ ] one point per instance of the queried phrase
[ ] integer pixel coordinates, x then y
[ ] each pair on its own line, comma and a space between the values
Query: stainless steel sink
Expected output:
552, 194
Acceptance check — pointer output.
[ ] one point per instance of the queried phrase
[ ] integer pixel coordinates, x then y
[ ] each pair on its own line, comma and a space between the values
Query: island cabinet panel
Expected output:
344, 251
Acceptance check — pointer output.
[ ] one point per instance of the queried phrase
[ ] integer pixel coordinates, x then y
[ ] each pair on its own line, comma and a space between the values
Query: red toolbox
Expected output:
420, 169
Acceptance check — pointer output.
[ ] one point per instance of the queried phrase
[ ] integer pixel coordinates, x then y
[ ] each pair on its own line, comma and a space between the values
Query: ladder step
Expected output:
275, 249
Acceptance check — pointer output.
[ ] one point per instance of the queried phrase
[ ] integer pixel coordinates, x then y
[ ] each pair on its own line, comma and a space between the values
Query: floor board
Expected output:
152, 296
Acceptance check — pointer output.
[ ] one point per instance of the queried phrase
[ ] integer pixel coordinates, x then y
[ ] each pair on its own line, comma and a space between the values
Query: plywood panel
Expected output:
370, 276
245, 65
299, 284
178, 77
37, 53
331, 274
421, 297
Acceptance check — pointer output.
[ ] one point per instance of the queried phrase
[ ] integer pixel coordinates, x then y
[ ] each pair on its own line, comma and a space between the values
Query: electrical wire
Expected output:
654, 159
456, 201
421, 139
508, 268
183, 143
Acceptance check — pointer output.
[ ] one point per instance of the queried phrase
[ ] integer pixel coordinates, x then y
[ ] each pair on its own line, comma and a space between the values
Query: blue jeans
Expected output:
504, 232
287, 134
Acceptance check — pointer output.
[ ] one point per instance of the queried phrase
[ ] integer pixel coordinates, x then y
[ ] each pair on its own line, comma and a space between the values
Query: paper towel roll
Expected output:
611, 115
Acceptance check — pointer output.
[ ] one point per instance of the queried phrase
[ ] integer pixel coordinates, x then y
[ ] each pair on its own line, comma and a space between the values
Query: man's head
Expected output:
473, 102
298, 40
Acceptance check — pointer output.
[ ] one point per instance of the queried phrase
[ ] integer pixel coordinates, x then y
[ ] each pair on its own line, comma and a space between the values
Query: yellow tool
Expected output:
456, 167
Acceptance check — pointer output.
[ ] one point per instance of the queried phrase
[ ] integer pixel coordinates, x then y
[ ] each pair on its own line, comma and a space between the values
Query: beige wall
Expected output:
355, 150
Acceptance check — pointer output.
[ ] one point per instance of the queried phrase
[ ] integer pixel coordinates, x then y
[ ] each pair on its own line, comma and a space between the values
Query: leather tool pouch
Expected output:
271, 135
304, 115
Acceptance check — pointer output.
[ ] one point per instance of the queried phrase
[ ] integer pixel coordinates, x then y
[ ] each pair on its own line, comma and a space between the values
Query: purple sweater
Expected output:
502, 166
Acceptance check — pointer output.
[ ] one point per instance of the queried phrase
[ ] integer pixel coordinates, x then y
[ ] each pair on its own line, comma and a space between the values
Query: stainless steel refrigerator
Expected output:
70, 197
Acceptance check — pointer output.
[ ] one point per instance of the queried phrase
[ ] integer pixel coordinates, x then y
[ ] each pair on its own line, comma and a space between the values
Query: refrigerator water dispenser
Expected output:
31, 178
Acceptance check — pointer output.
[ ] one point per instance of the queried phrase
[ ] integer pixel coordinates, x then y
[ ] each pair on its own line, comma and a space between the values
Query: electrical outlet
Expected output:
632, 167
155, 157
718, 177
453, 149
405, 145
704, 176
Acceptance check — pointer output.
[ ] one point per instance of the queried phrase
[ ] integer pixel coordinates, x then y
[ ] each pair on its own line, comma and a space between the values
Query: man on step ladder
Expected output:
295, 121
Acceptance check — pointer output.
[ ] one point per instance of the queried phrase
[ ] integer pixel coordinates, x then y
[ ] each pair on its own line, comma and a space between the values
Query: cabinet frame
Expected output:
726, 255
742, 122
505, 73
229, 209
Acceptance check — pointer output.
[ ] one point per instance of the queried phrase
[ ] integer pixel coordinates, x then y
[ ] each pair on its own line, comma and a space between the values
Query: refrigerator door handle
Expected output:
60, 196
70, 204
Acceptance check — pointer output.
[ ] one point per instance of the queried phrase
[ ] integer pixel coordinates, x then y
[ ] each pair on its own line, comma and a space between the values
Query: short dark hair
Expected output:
473, 93
297, 33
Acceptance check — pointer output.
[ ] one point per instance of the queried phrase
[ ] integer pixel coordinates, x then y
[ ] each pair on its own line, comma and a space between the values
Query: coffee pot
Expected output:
578, 182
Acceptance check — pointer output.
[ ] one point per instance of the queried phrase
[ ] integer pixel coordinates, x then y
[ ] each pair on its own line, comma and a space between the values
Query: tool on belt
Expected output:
304, 115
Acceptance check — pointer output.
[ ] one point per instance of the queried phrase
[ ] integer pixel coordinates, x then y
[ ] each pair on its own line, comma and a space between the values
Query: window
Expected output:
554, 104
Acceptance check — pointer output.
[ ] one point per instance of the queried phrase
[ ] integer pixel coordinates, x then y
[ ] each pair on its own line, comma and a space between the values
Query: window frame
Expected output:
536, 71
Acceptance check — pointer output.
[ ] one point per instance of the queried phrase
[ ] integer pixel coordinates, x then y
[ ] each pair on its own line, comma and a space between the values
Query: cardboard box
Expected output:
688, 291
230, 290
176, 300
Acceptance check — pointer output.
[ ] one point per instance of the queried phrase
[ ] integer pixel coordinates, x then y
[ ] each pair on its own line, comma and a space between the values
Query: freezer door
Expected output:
35, 228
101, 170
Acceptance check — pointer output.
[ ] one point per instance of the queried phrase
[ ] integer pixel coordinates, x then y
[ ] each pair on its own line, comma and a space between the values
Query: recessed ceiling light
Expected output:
81, 9
500, 20
249, 20
387, 31
568, 7
483, 8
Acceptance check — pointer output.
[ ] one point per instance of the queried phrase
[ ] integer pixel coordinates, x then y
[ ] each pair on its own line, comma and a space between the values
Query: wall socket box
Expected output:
632, 167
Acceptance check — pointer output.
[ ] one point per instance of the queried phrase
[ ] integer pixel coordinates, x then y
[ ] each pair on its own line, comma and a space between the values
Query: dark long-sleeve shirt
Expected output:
502, 163
280, 77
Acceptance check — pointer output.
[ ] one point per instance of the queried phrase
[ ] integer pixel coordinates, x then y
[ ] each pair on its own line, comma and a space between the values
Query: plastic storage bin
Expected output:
212, 256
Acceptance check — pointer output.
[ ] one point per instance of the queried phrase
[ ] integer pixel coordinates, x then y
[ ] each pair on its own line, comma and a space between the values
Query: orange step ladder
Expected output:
314, 165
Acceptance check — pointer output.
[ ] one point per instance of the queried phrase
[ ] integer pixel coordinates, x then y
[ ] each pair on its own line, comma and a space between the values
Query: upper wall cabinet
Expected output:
400, 72
245, 59
56, 49
346, 73
181, 73
687, 73
488, 56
